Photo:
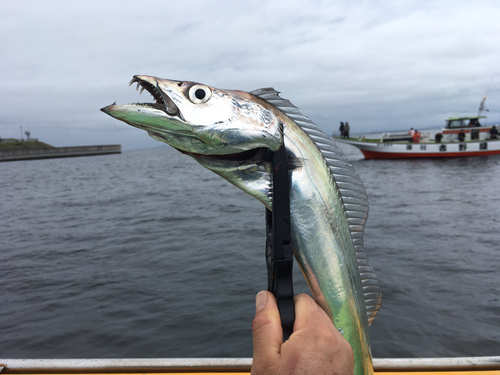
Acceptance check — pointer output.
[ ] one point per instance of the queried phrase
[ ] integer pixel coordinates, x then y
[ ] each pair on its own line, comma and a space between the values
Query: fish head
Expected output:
227, 131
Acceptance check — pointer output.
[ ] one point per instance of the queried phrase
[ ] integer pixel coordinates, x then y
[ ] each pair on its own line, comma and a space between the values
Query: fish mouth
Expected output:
256, 155
162, 101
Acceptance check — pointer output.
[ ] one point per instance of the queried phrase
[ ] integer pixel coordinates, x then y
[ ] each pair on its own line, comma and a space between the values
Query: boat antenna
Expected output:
481, 105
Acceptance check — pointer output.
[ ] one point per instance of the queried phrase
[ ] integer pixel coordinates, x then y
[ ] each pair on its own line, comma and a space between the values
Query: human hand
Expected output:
315, 346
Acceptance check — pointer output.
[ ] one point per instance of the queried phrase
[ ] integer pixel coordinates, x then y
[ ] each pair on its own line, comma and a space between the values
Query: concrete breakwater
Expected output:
59, 152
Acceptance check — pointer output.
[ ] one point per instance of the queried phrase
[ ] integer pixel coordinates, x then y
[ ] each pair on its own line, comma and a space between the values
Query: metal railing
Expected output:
166, 365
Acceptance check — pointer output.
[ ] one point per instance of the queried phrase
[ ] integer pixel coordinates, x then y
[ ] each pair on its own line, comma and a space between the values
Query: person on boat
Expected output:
493, 132
416, 137
473, 122
461, 136
412, 133
315, 346
341, 129
438, 137
346, 130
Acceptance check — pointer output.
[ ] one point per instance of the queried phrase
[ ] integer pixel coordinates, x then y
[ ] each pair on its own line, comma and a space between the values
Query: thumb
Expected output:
267, 333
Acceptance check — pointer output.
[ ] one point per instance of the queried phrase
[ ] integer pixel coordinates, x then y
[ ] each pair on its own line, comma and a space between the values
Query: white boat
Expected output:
462, 136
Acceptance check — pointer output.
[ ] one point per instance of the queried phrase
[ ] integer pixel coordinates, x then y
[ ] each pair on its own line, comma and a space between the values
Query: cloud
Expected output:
380, 66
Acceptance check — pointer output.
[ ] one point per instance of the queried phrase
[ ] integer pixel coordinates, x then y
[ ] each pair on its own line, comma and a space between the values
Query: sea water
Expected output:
147, 254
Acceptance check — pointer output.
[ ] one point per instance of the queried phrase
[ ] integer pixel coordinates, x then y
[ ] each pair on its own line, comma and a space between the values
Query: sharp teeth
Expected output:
161, 100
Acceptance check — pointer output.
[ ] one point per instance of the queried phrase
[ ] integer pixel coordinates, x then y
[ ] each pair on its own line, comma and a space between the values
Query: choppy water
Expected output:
147, 254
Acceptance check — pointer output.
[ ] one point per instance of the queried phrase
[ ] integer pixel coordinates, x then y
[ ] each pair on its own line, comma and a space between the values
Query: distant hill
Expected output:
15, 144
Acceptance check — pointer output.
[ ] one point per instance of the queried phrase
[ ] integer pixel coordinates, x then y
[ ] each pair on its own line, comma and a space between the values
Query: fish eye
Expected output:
199, 94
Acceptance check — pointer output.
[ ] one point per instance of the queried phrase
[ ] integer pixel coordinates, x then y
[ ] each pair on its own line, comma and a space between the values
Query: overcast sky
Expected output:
380, 65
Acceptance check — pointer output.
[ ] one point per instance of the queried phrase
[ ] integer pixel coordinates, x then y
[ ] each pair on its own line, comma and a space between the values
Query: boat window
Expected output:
474, 122
455, 124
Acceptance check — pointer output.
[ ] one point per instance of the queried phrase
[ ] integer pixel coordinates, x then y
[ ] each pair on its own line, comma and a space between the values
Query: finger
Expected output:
267, 331
314, 326
308, 312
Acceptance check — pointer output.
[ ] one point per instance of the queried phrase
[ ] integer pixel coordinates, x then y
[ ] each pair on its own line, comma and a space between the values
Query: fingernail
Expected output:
260, 301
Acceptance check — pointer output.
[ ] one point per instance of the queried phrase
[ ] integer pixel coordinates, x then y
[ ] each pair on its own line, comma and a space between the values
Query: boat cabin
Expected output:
469, 125
463, 122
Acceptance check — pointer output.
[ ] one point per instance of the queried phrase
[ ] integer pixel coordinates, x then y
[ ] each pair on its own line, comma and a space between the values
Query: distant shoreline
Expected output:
30, 151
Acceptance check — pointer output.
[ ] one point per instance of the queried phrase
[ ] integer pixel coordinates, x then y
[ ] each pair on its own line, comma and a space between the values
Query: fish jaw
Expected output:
198, 119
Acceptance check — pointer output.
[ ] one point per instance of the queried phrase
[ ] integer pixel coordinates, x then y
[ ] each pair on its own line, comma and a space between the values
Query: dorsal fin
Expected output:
351, 189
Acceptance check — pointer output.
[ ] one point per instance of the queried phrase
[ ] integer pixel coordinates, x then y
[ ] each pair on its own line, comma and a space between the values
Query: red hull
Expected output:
405, 155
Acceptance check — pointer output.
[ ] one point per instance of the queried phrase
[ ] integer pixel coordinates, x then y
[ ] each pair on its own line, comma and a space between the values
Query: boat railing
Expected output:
169, 365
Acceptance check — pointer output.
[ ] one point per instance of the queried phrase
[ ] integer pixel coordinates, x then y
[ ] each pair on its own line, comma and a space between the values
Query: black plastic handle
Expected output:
279, 253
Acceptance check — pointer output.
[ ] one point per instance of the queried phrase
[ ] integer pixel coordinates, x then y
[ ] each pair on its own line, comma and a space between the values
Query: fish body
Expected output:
231, 133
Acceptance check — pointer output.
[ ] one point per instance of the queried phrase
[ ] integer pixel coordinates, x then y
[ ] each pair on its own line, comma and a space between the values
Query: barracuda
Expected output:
231, 133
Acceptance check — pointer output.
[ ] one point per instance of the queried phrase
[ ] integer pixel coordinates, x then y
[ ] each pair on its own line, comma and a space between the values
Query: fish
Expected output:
232, 133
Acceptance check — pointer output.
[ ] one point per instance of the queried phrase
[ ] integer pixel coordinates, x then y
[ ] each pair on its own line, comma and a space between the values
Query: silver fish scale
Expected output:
351, 189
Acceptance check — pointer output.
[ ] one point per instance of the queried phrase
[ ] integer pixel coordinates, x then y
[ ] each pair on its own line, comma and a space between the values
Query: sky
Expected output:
380, 65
